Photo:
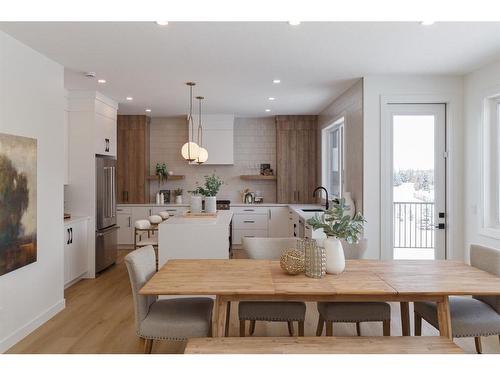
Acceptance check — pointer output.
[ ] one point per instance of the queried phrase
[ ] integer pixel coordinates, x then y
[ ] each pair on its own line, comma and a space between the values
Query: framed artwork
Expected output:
18, 161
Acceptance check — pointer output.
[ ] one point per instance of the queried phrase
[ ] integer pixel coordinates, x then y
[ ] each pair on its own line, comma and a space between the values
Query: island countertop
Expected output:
223, 218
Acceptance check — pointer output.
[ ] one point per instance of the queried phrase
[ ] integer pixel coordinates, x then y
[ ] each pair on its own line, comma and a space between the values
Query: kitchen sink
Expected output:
312, 210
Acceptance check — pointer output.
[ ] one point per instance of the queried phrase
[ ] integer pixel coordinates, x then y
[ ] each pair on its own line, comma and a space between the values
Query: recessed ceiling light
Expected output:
268, 110
294, 23
129, 98
276, 80
427, 23
271, 98
162, 23
101, 81
148, 110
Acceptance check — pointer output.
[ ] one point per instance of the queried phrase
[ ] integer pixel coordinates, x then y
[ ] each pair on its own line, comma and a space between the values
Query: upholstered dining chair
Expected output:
353, 312
270, 311
470, 317
169, 319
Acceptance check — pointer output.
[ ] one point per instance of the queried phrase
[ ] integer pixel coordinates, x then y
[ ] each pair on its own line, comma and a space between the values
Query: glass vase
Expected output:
315, 258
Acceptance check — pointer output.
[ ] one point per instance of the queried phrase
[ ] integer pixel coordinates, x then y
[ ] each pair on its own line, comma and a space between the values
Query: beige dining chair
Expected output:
169, 319
470, 317
353, 312
270, 311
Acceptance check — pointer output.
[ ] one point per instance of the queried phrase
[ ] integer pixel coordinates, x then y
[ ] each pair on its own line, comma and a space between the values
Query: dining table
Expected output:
400, 281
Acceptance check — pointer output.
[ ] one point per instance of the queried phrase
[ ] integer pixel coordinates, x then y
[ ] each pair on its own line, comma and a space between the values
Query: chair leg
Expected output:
290, 328
329, 328
148, 346
418, 324
252, 327
386, 324
228, 319
319, 329
301, 329
477, 341
242, 328
358, 328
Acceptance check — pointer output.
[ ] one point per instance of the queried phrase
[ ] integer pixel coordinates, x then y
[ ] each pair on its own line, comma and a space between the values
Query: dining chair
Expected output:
470, 317
353, 312
169, 319
270, 311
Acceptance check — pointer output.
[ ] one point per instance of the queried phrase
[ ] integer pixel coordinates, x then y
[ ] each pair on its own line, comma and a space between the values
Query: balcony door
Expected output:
417, 195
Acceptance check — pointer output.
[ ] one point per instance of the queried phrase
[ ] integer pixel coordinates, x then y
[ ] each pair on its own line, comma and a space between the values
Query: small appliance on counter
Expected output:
249, 198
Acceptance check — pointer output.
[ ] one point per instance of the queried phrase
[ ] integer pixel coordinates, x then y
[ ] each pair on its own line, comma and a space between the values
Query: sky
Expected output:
413, 143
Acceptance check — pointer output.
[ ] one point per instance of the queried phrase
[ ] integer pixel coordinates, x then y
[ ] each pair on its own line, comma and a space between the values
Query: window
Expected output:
333, 158
491, 168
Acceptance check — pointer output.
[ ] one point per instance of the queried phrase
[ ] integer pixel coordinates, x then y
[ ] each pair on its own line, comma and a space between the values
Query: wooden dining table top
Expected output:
247, 277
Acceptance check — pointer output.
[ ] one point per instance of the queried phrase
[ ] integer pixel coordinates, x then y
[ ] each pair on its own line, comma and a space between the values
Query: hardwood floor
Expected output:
99, 318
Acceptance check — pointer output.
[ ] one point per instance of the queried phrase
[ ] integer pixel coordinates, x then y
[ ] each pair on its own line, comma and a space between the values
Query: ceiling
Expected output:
234, 63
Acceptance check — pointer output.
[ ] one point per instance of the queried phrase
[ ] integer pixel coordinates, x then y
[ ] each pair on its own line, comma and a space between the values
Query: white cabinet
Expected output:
75, 251
278, 222
126, 226
294, 223
105, 135
218, 138
249, 222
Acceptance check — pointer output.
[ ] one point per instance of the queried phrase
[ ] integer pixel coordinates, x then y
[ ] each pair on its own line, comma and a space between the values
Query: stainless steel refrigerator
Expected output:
106, 236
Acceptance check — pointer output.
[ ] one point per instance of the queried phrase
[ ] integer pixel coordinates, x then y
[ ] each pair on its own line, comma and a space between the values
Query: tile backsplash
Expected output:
254, 144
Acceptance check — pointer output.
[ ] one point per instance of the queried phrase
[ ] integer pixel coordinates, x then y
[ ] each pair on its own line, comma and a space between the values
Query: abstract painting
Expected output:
18, 246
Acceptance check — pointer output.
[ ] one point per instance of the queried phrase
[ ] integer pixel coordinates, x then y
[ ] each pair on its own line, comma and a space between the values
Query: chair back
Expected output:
486, 259
267, 248
355, 250
141, 266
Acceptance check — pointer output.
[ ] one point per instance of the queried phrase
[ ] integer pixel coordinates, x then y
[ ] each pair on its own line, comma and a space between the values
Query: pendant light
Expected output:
203, 153
190, 149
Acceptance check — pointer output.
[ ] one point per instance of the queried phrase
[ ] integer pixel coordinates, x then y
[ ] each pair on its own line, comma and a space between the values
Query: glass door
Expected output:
418, 206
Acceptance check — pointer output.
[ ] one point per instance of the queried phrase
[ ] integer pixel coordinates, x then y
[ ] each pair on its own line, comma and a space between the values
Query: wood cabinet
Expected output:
132, 167
75, 251
296, 154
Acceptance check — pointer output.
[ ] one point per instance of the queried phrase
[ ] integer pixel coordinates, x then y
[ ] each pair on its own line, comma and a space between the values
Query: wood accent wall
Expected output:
132, 159
296, 158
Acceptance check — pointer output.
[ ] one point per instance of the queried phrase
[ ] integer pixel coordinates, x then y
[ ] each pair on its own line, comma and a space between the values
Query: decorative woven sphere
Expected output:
292, 261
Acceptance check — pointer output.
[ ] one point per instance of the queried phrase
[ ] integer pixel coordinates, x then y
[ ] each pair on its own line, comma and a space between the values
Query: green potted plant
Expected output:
209, 190
178, 196
337, 224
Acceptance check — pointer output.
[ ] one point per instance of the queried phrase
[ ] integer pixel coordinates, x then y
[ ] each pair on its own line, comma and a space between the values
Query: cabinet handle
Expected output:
269, 214
249, 210
129, 222
106, 144
71, 235
67, 237
150, 212
248, 221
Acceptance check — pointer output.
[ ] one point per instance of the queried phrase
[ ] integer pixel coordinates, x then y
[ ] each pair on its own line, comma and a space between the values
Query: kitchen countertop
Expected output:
74, 219
152, 205
223, 218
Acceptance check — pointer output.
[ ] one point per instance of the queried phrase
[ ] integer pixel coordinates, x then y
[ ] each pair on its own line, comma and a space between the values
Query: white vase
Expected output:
195, 204
178, 199
335, 258
211, 204
158, 198
349, 202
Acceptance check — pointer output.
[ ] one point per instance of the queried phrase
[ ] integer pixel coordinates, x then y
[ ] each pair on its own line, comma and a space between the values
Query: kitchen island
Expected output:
182, 237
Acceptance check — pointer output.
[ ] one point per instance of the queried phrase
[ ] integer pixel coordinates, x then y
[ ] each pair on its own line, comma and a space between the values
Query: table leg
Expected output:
444, 318
219, 319
405, 318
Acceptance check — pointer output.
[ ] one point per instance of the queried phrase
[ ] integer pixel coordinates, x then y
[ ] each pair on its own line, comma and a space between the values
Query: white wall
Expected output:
254, 143
426, 88
478, 85
31, 105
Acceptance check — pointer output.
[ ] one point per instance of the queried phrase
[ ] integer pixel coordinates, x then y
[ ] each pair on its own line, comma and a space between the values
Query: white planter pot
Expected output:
195, 204
178, 199
335, 259
211, 204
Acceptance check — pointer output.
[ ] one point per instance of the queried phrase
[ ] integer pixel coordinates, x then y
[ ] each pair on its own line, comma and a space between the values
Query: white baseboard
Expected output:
29, 327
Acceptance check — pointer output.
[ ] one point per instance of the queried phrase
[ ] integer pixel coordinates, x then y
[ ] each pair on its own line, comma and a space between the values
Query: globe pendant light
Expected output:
203, 153
190, 149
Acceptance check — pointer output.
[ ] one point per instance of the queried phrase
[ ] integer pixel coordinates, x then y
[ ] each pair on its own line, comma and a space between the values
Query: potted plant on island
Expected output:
178, 196
337, 225
209, 191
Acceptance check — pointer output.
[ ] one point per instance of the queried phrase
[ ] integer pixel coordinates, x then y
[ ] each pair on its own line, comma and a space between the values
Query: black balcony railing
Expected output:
413, 225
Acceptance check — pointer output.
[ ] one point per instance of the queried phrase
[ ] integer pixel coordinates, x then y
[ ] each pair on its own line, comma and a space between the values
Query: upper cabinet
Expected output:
105, 135
218, 138
132, 166
296, 158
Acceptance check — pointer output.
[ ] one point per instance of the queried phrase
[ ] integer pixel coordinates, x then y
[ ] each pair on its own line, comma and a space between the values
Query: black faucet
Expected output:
327, 205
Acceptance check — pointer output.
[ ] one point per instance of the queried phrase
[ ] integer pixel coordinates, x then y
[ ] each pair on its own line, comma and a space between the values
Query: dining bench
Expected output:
323, 345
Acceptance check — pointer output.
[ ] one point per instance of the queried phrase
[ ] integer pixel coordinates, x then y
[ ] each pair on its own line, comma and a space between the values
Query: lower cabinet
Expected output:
75, 251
